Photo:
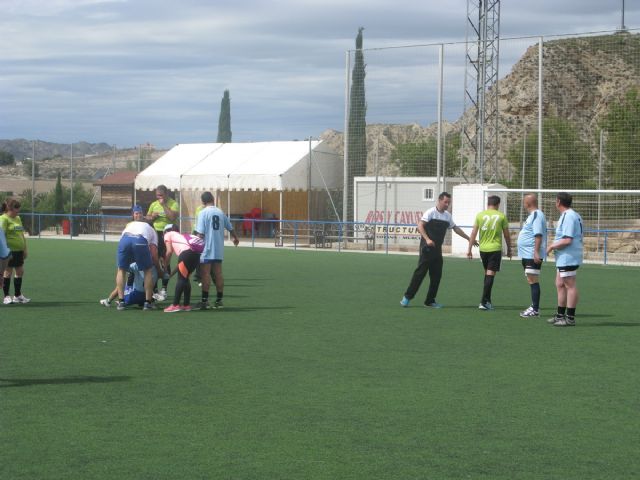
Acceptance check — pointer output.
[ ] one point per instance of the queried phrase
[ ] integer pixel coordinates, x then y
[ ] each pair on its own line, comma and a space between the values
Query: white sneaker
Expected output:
159, 297
530, 312
8, 300
105, 302
21, 299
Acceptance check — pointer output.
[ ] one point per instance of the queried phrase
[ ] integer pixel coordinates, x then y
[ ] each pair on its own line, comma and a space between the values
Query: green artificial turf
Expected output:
314, 371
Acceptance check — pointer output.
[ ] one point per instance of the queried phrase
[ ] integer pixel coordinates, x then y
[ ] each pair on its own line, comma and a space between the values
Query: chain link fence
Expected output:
568, 115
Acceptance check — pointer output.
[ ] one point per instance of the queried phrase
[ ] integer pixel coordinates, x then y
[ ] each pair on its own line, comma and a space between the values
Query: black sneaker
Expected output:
566, 321
555, 318
218, 304
203, 306
149, 306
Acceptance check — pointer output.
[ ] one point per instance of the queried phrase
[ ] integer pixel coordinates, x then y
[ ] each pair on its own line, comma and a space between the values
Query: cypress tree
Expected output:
357, 141
58, 202
224, 122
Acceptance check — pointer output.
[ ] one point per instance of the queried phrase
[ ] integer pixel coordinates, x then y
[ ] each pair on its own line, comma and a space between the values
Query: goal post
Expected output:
611, 219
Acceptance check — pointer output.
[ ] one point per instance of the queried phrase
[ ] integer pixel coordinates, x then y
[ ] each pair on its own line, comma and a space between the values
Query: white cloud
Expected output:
130, 71
39, 8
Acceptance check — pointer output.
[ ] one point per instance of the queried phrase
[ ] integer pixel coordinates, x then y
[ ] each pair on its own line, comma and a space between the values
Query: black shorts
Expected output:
188, 261
491, 260
16, 259
531, 267
162, 248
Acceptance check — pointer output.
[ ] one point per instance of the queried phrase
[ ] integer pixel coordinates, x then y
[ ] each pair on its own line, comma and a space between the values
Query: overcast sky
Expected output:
127, 72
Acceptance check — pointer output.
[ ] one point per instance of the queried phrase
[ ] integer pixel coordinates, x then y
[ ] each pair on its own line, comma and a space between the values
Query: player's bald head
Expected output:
530, 200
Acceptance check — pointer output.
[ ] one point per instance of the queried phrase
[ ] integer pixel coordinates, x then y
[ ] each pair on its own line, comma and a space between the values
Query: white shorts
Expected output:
568, 271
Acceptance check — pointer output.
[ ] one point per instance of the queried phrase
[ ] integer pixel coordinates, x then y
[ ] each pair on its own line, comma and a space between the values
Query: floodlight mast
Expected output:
480, 118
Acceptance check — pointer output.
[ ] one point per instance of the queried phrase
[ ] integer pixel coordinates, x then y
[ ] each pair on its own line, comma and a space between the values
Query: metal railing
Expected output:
606, 246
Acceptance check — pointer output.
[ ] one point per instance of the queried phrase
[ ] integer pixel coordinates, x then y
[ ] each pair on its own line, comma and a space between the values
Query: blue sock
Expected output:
535, 296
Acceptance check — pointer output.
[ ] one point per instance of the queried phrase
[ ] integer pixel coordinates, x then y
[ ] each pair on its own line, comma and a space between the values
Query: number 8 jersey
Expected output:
212, 223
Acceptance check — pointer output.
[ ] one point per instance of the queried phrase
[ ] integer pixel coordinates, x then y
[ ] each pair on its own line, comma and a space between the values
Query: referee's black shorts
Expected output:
491, 260
162, 248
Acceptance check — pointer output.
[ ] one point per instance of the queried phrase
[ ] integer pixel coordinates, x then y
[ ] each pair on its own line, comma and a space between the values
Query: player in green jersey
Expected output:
492, 225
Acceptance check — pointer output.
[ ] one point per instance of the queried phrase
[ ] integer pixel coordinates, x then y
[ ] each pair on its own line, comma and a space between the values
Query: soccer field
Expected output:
313, 371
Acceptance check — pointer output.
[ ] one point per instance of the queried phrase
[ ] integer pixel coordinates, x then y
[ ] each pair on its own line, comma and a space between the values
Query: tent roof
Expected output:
168, 168
245, 166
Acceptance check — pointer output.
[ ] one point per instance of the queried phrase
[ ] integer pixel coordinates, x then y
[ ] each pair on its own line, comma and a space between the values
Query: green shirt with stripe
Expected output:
14, 231
490, 225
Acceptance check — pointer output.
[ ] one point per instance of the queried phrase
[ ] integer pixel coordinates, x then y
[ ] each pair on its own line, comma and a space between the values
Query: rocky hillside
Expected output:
383, 139
582, 77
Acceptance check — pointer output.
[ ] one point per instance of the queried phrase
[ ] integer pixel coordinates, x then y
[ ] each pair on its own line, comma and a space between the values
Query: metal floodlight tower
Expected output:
480, 119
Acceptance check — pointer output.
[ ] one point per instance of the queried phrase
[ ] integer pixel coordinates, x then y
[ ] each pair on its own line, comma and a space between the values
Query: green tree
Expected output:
622, 146
224, 121
83, 200
567, 160
420, 159
357, 141
58, 201
58, 196
6, 158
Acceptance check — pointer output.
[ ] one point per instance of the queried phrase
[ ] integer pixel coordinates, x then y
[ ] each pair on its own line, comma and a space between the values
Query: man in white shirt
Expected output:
138, 243
433, 227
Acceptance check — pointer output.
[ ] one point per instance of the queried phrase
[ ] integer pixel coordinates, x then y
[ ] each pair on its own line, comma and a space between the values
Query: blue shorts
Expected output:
134, 297
134, 248
209, 260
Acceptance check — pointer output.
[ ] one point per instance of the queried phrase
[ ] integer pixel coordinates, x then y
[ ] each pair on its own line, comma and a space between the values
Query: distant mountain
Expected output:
21, 149
91, 161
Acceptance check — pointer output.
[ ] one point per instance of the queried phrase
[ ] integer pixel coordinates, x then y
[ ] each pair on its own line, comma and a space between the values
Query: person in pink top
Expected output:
187, 248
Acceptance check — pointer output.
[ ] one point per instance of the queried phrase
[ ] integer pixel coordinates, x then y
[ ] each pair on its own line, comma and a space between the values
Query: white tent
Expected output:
245, 166
259, 166
168, 168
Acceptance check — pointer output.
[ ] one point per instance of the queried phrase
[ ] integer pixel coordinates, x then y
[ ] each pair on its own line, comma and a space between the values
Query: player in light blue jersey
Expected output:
211, 226
568, 249
532, 245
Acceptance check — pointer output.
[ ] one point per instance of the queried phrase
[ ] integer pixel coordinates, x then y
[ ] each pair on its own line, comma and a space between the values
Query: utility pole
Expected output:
33, 185
71, 191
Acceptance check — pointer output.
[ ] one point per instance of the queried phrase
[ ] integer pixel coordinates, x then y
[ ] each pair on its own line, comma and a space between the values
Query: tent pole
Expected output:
229, 209
180, 203
309, 184
280, 211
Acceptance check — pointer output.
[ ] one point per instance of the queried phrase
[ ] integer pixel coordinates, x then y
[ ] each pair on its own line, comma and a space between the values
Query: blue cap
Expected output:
137, 209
